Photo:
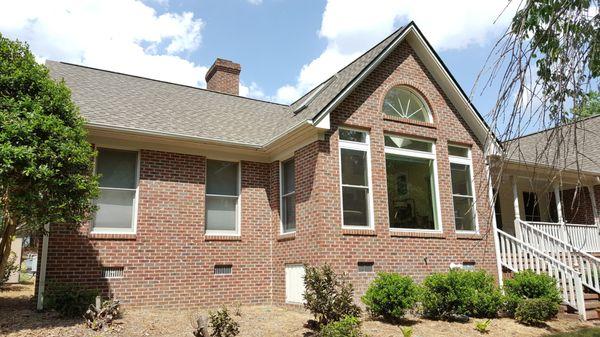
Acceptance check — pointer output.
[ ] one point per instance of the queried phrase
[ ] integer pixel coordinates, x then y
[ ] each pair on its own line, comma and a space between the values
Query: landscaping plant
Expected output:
11, 267
390, 295
406, 331
68, 299
535, 311
483, 326
222, 324
101, 315
328, 296
349, 326
529, 285
460, 293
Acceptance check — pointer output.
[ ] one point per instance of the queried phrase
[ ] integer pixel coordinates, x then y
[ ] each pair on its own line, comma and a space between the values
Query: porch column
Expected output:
559, 212
594, 206
516, 207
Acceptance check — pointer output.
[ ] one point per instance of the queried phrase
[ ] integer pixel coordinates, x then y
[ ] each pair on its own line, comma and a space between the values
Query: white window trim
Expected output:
238, 205
366, 146
419, 97
133, 229
425, 155
281, 196
466, 161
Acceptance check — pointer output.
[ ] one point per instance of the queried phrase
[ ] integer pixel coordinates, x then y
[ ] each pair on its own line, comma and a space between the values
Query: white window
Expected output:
117, 203
463, 194
288, 196
222, 197
412, 184
294, 283
404, 102
355, 163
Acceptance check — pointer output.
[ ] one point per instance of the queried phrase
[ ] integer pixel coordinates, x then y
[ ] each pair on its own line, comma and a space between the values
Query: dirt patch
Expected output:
17, 318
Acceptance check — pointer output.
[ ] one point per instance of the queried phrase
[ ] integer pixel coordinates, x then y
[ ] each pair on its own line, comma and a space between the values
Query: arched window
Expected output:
403, 102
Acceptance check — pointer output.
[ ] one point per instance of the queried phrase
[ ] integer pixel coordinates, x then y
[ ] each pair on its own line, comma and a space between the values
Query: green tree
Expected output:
46, 162
590, 106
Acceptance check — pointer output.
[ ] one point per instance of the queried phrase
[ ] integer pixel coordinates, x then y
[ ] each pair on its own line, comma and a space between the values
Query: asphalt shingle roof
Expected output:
119, 100
574, 146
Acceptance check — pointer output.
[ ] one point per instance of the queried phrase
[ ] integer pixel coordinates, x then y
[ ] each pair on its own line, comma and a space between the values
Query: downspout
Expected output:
42, 271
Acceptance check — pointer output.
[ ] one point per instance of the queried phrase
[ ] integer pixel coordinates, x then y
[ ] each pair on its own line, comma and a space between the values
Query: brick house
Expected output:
209, 198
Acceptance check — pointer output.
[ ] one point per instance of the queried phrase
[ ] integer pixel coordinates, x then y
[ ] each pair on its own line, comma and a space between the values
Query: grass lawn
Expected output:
18, 319
589, 332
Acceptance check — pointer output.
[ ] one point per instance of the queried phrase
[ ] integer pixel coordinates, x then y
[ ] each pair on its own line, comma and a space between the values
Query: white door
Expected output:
294, 283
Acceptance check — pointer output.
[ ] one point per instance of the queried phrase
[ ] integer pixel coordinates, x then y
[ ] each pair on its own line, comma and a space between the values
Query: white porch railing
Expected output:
581, 236
587, 265
517, 255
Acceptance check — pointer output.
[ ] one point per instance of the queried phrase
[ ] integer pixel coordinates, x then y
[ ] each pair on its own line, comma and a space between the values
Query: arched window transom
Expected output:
403, 102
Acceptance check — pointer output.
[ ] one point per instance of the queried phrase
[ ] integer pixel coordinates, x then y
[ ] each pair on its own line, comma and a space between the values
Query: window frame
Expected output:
136, 197
422, 155
357, 146
238, 205
468, 161
282, 196
418, 95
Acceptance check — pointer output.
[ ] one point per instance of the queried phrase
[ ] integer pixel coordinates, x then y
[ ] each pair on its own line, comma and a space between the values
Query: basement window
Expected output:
223, 269
365, 267
112, 272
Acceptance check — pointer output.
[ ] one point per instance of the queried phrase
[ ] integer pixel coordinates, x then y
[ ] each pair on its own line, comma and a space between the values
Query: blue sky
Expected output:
285, 47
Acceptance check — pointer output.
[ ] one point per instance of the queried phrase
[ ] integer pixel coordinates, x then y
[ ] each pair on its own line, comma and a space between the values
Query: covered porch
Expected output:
562, 204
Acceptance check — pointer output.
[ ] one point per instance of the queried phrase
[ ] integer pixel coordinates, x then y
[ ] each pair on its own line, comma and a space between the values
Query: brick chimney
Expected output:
224, 76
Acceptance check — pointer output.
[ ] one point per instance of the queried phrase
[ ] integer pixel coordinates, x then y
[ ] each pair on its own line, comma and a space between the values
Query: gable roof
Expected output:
555, 147
115, 100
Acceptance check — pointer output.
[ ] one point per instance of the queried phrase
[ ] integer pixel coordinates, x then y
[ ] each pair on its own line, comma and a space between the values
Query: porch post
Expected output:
594, 206
516, 207
559, 212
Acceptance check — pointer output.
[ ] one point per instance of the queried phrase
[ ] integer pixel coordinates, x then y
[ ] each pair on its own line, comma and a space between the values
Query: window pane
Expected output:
115, 210
354, 167
220, 213
407, 144
117, 168
401, 102
289, 213
288, 177
458, 151
353, 135
221, 177
464, 214
355, 206
411, 192
461, 179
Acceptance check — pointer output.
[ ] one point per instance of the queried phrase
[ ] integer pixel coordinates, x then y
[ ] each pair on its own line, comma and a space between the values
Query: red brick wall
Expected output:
577, 205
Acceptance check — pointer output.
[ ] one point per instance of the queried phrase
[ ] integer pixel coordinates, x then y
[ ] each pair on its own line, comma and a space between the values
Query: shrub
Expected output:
528, 284
68, 299
102, 316
349, 326
483, 326
390, 295
460, 292
11, 267
535, 311
222, 324
328, 297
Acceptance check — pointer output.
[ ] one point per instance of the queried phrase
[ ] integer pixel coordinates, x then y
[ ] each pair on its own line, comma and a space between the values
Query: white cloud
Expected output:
253, 91
121, 35
353, 26
255, 2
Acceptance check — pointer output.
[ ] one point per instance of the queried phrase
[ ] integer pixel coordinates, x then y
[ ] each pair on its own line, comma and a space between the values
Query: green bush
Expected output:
328, 297
535, 311
222, 324
390, 295
460, 292
68, 299
528, 284
349, 326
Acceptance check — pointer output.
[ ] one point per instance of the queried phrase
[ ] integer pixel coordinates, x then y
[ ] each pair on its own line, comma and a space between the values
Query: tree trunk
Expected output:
10, 227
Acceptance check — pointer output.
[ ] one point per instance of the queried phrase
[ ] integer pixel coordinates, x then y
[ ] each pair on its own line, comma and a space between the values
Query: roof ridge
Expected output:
167, 82
552, 128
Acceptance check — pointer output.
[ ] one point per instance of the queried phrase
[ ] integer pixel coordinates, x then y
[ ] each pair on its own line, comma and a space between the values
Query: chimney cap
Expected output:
223, 65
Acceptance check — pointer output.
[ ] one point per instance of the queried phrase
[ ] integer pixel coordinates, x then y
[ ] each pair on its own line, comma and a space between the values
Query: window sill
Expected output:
112, 236
359, 232
209, 237
286, 236
409, 121
418, 234
469, 236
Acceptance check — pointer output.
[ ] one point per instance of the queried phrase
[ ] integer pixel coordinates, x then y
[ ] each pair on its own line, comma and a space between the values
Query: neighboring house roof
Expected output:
110, 99
573, 146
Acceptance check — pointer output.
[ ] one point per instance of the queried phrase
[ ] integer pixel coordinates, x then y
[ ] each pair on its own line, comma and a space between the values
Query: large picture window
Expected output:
222, 197
288, 197
355, 179
403, 102
411, 184
463, 196
118, 172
